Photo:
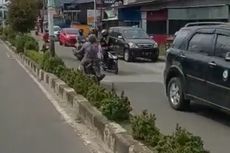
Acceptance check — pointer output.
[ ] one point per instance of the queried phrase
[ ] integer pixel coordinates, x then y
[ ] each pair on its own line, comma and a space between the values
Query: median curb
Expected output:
112, 134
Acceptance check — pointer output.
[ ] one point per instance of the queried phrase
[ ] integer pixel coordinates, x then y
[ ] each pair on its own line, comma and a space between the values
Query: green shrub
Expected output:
60, 71
25, 42
31, 44
9, 34
116, 108
144, 128
1, 30
35, 56
69, 77
181, 141
20, 43
50, 63
82, 84
96, 94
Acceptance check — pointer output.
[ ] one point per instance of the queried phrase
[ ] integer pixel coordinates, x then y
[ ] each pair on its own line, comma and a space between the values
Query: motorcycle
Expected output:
45, 47
91, 70
111, 64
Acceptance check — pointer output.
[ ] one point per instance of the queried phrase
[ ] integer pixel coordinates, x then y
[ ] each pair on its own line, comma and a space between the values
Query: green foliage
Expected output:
144, 128
60, 71
82, 84
69, 77
96, 94
31, 44
116, 108
23, 42
1, 30
50, 63
35, 56
181, 141
9, 34
20, 43
22, 15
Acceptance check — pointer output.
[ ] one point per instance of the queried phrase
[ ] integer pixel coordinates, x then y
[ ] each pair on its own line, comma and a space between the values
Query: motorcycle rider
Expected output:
104, 44
90, 50
81, 37
46, 40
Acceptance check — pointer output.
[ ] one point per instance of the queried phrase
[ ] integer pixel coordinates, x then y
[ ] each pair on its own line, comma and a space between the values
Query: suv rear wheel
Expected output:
175, 94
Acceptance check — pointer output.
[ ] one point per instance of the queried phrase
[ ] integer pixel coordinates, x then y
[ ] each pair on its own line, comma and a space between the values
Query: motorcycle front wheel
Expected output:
116, 70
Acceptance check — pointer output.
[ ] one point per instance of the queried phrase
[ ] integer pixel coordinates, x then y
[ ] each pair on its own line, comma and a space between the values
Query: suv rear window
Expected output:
179, 41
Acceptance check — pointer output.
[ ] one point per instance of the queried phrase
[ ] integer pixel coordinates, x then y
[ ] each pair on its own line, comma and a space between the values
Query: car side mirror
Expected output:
227, 56
120, 37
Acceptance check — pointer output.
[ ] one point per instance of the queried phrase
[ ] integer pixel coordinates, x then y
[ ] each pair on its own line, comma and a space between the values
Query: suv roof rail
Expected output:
204, 23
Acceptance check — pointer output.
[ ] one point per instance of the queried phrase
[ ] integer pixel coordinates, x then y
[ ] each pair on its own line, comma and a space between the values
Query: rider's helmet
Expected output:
81, 32
92, 38
104, 33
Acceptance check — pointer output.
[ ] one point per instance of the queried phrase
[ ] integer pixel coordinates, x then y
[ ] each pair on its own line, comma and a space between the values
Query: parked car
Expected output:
68, 37
57, 29
132, 42
198, 67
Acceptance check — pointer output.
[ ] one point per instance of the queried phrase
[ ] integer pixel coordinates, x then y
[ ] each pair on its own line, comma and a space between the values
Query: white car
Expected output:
56, 32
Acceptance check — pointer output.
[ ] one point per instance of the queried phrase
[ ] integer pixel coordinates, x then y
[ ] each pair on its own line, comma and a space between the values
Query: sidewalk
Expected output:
29, 123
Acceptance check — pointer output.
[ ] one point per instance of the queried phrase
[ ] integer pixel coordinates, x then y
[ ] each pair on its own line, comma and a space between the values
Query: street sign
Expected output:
90, 16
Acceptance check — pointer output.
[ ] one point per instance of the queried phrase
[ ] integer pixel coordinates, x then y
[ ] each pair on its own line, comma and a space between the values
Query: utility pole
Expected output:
95, 14
3, 14
51, 10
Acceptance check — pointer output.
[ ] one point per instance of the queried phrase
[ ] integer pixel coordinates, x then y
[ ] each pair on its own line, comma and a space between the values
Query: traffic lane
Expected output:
29, 123
208, 123
126, 70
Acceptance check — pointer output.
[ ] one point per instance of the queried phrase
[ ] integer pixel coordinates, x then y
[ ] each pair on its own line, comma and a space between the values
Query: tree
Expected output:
22, 15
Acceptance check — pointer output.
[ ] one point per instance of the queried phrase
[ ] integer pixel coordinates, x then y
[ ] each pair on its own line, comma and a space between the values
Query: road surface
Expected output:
143, 83
29, 123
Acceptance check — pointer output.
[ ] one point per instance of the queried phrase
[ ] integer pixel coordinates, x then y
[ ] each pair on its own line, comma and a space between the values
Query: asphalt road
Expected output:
28, 121
143, 83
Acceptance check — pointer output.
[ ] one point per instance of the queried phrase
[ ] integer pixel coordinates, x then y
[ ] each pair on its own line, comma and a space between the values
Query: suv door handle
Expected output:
212, 64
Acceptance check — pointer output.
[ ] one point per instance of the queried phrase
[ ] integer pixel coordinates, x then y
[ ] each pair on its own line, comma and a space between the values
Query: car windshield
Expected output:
135, 34
72, 31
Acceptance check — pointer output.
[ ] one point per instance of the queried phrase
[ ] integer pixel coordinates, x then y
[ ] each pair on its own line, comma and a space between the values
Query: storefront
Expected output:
76, 11
178, 17
129, 16
157, 23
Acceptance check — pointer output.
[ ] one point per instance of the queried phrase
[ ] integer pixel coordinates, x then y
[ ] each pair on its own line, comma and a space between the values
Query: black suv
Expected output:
132, 42
198, 67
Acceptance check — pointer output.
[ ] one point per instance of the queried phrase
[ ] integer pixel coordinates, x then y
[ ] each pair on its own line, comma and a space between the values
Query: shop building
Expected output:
164, 17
